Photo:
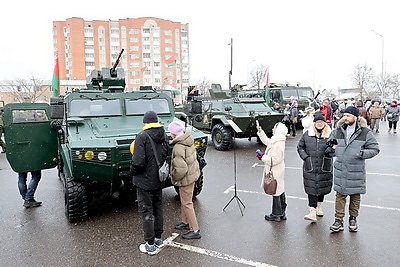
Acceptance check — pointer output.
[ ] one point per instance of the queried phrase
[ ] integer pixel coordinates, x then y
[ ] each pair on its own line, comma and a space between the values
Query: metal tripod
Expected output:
235, 196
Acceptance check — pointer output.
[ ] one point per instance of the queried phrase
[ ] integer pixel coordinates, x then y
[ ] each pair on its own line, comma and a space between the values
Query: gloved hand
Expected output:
259, 154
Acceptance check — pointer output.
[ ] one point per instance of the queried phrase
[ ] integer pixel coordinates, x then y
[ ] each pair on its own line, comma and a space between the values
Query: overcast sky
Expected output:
317, 43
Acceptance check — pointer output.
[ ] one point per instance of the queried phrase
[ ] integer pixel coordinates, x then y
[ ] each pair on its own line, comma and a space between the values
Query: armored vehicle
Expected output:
87, 135
226, 117
304, 96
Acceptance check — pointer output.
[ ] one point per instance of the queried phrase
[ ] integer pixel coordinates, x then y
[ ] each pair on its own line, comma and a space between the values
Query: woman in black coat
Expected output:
317, 165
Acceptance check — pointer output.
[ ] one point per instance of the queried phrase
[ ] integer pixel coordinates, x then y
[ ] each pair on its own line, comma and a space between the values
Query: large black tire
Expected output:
198, 186
76, 200
221, 137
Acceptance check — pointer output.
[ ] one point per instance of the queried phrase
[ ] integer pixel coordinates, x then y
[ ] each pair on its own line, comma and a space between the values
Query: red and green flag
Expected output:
171, 61
55, 83
196, 88
143, 69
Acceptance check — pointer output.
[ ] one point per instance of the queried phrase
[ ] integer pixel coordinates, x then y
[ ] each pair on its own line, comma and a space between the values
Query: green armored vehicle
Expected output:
87, 134
226, 117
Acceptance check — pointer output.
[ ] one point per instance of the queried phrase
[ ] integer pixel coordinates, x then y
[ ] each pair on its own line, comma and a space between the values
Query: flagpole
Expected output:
230, 72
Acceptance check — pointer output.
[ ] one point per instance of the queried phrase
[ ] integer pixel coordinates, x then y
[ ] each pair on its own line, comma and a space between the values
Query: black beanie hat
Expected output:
150, 117
319, 116
352, 110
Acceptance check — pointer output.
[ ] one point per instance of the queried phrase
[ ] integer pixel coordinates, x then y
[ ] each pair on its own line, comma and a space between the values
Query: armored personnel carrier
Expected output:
87, 135
225, 116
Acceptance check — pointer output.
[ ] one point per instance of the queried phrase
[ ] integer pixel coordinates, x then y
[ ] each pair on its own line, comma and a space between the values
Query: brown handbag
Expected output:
269, 182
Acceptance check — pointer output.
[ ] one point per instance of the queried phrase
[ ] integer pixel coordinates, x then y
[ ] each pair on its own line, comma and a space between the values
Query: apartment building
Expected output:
156, 51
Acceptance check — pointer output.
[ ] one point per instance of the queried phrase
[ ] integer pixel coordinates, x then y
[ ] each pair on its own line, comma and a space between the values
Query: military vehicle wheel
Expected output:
198, 186
221, 137
76, 200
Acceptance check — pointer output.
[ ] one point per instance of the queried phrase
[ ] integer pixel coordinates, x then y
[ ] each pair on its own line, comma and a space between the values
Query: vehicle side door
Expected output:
30, 140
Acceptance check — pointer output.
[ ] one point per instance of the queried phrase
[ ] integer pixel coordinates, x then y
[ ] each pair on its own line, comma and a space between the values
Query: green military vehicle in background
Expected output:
226, 116
87, 135
304, 95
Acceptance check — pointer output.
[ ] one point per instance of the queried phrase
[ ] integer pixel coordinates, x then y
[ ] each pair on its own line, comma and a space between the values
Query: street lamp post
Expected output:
383, 51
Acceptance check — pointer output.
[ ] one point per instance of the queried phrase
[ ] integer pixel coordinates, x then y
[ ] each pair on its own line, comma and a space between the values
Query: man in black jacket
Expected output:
144, 170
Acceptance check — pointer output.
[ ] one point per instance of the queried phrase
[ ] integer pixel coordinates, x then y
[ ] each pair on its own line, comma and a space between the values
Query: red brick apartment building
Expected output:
156, 51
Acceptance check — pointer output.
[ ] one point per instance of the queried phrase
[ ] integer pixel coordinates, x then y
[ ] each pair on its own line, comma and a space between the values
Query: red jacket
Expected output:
328, 114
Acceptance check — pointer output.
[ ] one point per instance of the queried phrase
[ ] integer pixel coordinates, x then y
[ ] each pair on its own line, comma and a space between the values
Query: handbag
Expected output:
163, 170
269, 182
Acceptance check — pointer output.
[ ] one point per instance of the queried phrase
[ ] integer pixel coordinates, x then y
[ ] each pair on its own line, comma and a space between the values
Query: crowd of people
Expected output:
340, 130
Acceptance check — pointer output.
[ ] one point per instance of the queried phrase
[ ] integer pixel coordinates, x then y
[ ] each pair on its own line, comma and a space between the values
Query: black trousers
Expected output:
151, 211
313, 200
279, 205
392, 123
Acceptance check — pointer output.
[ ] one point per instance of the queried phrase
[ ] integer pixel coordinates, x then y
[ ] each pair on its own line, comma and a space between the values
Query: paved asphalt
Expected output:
43, 237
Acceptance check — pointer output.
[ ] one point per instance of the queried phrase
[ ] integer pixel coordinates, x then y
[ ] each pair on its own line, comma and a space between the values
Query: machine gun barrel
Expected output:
112, 70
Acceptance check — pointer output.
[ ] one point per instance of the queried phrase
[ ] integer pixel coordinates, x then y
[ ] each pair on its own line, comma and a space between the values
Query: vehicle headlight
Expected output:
89, 155
197, 144
102, 156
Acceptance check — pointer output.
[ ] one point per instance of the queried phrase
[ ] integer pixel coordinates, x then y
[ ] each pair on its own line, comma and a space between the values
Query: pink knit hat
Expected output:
176, 128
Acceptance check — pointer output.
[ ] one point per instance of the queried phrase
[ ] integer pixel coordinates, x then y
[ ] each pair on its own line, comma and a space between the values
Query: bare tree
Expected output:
203, 85
392, 85
363, 77
29, 90
258, 77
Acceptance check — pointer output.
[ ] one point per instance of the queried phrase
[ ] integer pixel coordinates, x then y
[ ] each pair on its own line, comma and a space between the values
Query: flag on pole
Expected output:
171, 61
196, 88
56, 77
267, 77
143, 69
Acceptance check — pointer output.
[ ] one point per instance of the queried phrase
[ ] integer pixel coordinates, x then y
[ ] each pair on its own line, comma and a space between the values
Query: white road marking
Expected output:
169, 242
303, 198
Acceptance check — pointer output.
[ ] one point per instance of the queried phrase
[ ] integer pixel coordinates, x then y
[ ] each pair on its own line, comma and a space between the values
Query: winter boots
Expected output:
353, 224
320, 213
337, 225
312, 216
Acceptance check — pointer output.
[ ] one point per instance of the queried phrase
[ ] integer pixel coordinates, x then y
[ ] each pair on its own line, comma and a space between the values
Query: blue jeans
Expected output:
28, 192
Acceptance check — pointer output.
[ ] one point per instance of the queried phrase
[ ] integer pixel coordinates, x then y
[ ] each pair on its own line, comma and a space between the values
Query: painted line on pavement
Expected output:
169, 242
299, 168
232, 188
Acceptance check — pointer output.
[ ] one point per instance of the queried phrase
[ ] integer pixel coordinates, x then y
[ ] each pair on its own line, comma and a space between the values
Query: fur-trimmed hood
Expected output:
361, 122
326, 132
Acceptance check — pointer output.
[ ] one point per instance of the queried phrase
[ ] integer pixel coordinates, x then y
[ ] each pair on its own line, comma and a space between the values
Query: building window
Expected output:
157, 64
146, 47
134, 31
168, 41
184, 34
146, 55
134, 48
101, 40
88, 63
134, 40
168, 49
146, 30
114, 31
101, 30
146, 39
168, 33
89, 39
114, 39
